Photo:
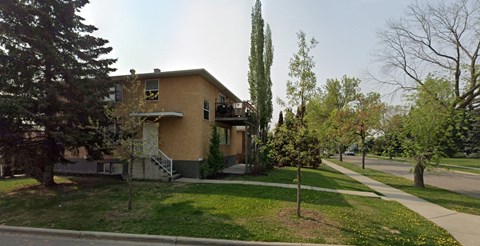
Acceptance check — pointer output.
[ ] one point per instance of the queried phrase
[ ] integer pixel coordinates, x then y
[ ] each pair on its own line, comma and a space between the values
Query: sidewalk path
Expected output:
290, 186
464, 227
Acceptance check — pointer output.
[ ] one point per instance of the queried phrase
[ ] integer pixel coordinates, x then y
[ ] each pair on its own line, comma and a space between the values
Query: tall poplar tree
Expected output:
52, 80
260, 83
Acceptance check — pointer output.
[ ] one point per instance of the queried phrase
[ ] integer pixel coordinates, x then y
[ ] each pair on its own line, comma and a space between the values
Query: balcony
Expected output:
235, 113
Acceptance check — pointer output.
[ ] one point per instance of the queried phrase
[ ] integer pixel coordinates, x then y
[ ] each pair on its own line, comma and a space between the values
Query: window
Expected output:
151, 89
221, 98
115, 93
118, 92
224, 135
104, 167
206, 110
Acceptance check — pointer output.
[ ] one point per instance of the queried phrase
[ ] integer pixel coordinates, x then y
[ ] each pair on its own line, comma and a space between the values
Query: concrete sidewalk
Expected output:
289, 186
464, 227
136, 238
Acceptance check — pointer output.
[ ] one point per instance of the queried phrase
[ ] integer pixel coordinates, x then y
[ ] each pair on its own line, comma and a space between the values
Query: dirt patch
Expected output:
311, 224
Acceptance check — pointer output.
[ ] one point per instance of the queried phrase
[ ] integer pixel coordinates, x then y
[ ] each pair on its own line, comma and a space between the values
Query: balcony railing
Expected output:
234, 110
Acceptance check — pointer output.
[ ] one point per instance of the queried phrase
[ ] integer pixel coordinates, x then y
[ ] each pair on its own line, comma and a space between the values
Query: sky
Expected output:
215, 35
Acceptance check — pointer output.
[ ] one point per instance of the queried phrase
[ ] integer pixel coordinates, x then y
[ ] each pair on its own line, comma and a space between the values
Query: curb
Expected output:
139, 237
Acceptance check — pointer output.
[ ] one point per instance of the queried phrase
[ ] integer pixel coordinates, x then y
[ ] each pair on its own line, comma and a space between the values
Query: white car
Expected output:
349, 152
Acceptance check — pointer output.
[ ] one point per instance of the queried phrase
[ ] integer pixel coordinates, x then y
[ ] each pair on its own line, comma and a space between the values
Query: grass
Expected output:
324, 176
219, 211
9, 184
462, 162
445, 198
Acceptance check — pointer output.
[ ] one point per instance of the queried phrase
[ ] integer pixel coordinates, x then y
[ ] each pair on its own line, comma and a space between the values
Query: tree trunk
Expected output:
364, 153
47, 175
299, 186
130, 169
340, 152
418, 175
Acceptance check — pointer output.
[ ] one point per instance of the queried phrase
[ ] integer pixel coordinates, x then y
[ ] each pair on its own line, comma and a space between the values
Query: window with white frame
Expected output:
206, 110
151, 89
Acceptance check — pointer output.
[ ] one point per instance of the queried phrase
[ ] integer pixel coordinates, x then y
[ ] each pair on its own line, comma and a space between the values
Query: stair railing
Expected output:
156, 155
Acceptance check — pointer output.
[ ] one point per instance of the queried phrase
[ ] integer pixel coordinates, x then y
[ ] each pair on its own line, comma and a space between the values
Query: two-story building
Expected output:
181, 108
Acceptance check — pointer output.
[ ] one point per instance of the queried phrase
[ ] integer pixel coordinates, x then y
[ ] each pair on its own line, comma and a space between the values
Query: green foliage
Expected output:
391, 126
292, 144
426, 124
330, 114
215, 160
51, 68
303, 86
260, 83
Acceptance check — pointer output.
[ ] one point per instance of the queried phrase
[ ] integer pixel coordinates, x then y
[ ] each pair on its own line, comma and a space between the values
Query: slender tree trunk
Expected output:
47, 175
299, 186
364, 152
340, 152
130, 169
418, 175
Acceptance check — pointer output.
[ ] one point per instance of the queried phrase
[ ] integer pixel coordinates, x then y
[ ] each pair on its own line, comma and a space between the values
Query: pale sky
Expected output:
215, 35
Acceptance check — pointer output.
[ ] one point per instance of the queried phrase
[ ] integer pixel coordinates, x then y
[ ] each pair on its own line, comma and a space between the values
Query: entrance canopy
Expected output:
158, 114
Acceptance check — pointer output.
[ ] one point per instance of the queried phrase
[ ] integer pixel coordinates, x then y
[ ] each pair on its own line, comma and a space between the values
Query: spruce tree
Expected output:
52, 80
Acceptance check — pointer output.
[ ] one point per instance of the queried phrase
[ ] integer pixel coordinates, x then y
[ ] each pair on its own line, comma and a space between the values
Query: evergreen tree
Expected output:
215, 156
52, 80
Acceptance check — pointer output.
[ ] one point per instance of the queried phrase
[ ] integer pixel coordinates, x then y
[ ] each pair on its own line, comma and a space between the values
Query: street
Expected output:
468, 184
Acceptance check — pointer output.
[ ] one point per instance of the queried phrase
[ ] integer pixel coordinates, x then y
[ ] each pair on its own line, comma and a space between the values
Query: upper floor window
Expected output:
221, 98
151, 89
118, 92
206, 110
115, 93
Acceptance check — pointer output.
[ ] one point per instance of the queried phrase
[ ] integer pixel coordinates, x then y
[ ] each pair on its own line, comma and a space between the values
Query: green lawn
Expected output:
462, 162
219, 211
324, 176
9, 184
445, 198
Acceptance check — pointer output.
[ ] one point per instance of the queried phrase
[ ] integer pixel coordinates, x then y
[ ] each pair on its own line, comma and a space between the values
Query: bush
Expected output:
214, 162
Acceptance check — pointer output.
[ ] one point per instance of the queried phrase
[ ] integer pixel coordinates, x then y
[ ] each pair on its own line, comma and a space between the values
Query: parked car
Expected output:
349, 152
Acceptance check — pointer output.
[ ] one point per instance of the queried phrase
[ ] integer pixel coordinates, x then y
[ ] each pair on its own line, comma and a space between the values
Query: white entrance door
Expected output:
150, 139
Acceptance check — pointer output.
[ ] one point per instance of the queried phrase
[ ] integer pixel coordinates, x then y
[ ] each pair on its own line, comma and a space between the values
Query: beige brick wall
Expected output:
186, 138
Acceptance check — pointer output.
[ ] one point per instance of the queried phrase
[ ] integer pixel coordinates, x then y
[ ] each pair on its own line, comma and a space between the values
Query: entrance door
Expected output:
150, 139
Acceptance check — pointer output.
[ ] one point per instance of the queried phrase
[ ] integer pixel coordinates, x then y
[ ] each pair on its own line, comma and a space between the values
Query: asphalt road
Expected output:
10, 239
468, 184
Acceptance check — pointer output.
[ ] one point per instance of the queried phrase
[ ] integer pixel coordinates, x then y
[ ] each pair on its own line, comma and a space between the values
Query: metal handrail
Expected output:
138, 149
